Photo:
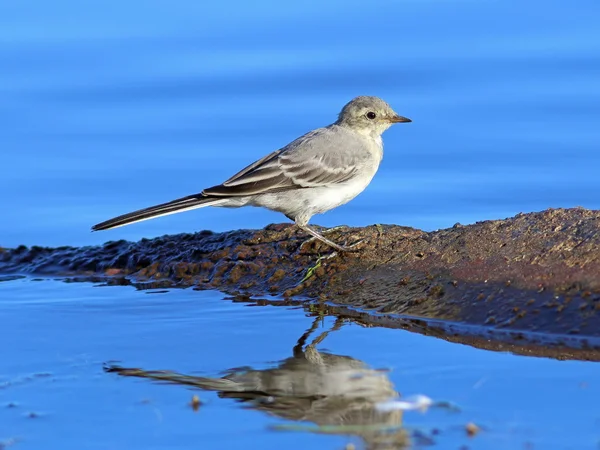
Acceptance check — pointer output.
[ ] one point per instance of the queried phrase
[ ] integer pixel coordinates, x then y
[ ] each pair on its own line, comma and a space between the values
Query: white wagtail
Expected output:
317, 172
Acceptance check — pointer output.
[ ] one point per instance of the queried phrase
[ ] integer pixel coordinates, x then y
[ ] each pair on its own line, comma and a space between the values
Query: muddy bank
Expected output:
536, 272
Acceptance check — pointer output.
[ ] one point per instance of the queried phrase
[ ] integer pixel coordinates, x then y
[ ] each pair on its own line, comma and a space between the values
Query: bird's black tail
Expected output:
164, 209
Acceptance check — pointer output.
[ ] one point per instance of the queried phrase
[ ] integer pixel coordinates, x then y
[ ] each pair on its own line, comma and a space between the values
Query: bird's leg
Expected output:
323, 239
339, 322
311, 353
299, 347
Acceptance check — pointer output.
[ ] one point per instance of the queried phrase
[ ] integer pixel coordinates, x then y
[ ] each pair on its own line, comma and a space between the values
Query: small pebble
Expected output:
472, 429
195, 403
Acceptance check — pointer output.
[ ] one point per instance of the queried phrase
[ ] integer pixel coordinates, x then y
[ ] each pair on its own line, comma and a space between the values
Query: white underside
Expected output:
302, 204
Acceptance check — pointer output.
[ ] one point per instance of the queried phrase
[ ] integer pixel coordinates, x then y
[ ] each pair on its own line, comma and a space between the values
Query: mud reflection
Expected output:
338, 394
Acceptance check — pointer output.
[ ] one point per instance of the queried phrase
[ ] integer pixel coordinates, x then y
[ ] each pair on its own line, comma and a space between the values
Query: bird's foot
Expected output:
353, 247
320, 237
323, 239
338, 248
336, 228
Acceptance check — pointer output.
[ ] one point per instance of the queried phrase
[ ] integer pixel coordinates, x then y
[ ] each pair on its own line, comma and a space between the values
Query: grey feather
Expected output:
321, 158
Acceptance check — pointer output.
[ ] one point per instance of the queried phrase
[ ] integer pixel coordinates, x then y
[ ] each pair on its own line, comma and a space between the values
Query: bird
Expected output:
315, 173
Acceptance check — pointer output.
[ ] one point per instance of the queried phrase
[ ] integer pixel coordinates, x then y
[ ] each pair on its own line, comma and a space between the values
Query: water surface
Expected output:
108, 107
58, 337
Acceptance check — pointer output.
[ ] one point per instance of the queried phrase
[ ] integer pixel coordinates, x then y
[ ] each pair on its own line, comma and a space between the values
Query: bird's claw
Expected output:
352, 247
328, 242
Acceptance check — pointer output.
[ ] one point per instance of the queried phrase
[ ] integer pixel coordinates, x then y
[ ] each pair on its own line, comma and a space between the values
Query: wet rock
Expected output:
538, 272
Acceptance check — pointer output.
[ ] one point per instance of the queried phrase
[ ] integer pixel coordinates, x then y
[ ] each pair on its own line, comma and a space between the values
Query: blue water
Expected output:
57, 336
106, 107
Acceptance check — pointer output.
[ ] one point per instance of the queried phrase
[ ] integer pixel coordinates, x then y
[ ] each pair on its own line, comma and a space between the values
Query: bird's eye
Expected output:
371, 115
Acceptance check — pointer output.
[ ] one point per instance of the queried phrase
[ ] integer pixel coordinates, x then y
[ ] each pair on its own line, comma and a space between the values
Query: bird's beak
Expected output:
399, 119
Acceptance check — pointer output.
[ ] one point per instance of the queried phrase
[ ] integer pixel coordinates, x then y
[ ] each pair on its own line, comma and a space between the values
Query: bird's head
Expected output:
370, 115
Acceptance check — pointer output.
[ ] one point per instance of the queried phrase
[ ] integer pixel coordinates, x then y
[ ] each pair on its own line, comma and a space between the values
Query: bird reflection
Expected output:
338, 394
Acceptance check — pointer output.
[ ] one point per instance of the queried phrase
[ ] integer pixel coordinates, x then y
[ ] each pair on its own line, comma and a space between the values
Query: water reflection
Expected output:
338, 394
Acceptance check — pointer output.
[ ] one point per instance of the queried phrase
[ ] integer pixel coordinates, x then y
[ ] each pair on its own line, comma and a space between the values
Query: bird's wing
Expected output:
323, 157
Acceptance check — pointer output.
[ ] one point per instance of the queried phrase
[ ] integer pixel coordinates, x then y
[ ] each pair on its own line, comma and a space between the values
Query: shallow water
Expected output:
106, 107
54, 392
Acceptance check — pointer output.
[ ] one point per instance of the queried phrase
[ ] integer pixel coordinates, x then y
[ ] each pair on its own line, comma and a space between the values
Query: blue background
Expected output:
107, 107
